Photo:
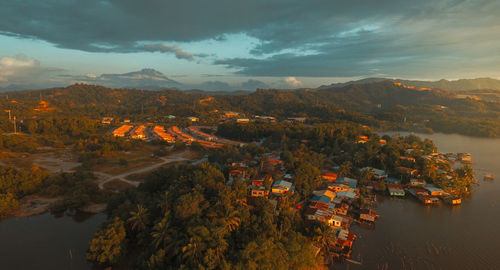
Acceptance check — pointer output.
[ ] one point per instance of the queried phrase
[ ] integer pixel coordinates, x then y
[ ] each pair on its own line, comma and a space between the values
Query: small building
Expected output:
193, 119
329, 176
352, 183
452, 200
392, 180
107, 120
367, 215
341, 209
377, 174
257, 191
346, 195
395, 190
281, 187
327, 193
242, 120
336, 187
322, 199
434, 191
231, 114
345, 239
417, 182
122, 131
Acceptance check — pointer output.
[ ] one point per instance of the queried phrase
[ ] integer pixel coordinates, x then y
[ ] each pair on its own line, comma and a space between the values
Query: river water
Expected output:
409, 235
47, 242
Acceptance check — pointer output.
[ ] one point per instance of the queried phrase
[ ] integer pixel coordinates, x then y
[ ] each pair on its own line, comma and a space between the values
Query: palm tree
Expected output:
139, 218
161, 233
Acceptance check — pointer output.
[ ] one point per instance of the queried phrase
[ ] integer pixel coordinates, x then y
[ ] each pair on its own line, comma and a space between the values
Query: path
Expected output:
165, 160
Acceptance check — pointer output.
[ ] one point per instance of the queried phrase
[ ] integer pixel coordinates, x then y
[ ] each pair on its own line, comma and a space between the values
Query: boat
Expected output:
489, 177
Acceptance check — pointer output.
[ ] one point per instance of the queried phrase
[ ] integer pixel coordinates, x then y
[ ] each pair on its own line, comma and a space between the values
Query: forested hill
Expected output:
462, 84
378, 103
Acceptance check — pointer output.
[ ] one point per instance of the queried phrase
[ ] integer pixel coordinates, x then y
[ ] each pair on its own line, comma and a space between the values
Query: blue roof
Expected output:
283, 183
392, 180
352, 183
322, 199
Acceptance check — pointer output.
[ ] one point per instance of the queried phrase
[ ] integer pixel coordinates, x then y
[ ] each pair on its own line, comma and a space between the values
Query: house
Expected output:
336, 187
138, 132
345, 239
346, 195
327, 193
320, 215
352, 183
282, 187
236, 173
417, 182
434, 191
392, 180
423, 196
231, 114
259, 180
341, 209
367, 215
395, 190
377, 174
107, 120
257, 191
121, 131
452, 200
160, 132
321, 199
242, 120
329, 176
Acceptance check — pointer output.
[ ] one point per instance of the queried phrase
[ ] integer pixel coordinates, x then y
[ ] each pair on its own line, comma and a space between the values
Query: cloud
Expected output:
293, 82
166, 48
304, 38
21, 70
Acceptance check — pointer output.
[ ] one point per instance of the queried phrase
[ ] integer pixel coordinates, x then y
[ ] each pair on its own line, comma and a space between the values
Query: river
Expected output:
47, 242
409, 235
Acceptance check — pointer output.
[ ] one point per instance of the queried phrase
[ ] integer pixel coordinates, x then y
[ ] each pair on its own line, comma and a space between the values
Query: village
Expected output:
338, 201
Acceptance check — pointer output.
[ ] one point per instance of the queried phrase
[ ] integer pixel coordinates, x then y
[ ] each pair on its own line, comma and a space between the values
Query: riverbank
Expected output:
34, 205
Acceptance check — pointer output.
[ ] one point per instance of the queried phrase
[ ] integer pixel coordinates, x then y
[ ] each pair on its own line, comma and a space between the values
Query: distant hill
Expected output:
144, 79
462, 84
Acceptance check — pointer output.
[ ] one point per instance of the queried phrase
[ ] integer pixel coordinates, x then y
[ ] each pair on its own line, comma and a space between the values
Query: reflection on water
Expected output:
46, 241
409, 235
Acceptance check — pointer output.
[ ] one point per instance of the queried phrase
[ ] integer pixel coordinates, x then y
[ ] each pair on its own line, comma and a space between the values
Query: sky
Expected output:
247, 44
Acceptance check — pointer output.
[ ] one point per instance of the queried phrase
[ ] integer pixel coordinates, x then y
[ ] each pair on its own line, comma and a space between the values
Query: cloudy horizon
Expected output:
226, 45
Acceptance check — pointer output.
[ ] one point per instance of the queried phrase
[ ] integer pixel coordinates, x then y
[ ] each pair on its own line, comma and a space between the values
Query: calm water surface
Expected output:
409, 235
47, 242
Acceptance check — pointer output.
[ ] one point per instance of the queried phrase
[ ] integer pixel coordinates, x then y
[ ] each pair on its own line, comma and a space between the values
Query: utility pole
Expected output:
15, 129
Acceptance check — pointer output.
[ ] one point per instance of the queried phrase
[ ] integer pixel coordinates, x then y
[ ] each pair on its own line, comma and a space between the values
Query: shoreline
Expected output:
33, 205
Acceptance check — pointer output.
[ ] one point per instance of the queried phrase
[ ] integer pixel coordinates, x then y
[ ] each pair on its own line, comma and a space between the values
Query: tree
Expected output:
139, 218
108, 243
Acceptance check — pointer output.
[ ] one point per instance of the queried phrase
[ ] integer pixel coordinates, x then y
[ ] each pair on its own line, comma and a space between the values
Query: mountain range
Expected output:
151, 79
461, 84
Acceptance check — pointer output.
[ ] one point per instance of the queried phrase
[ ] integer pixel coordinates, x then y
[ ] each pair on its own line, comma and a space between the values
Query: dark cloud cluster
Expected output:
296, 37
